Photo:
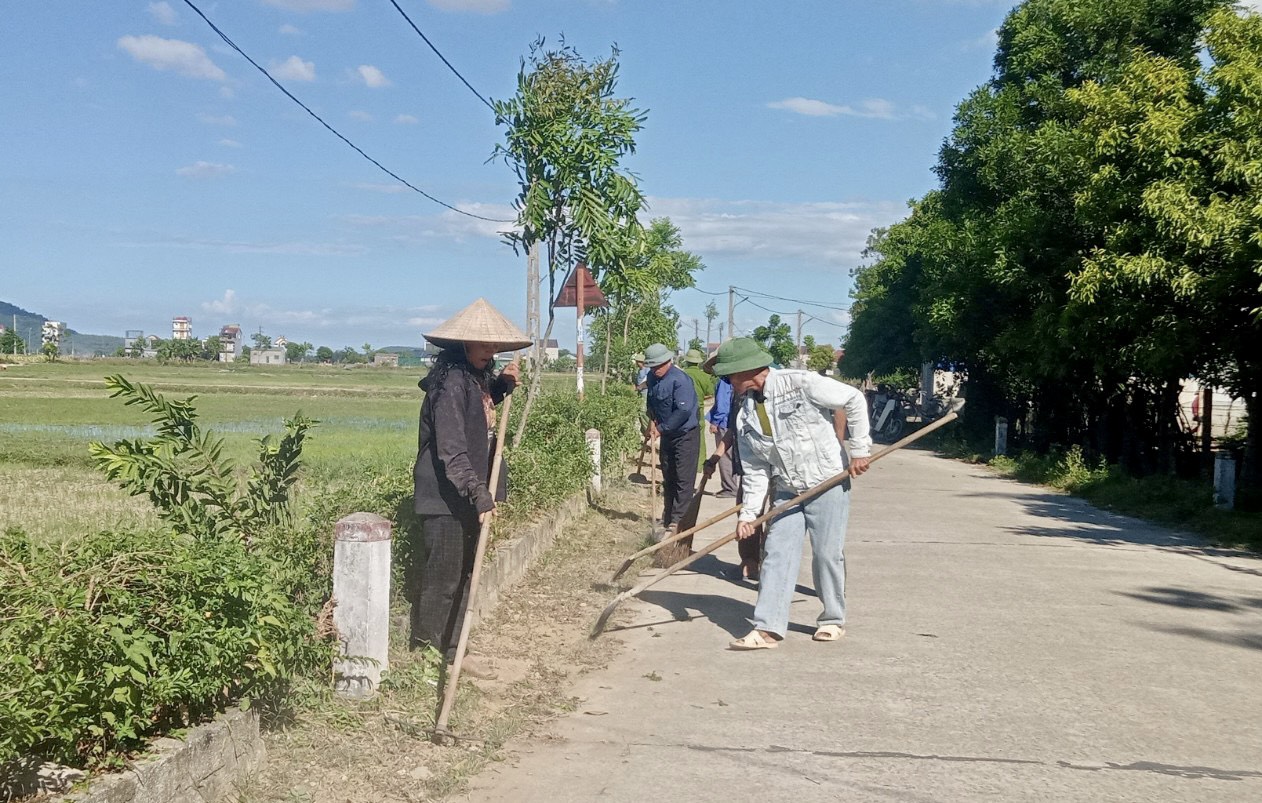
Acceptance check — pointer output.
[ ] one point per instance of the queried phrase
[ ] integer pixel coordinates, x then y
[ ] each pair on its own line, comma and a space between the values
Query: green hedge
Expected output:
114, 637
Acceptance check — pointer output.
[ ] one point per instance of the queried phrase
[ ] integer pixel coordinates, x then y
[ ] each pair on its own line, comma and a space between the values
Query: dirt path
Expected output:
379, 751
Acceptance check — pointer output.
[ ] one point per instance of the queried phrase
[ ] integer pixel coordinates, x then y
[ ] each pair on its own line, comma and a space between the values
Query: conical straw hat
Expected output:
479, 323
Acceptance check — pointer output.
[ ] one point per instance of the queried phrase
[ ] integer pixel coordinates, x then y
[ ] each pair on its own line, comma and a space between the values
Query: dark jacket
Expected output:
673, 402
453, 460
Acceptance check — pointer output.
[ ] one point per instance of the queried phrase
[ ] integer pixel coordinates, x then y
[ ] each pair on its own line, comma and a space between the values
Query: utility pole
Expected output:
798, 359
696, 329
532, 305
731, 312
720, 333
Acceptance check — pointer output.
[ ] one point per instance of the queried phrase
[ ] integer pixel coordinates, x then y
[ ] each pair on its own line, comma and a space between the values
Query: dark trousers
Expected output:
679, 452
727, 472
451, 544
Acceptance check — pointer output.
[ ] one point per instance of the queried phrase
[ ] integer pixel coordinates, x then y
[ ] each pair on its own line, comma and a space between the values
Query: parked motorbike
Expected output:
888, 408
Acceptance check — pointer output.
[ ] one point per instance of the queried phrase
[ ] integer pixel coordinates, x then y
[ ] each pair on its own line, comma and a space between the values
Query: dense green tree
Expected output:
639, 313
324, 354
1074, 255
10, 343
211, 347
777, 338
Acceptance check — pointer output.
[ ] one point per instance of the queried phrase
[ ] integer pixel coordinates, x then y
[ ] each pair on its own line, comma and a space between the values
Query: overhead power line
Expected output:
826, 305
333, 130
779, 312
425, 39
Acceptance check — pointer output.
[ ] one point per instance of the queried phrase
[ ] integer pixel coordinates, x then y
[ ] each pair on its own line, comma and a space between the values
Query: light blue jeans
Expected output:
825, 518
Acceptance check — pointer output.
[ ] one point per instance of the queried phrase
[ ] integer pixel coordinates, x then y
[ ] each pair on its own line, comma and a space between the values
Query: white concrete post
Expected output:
1224, 481
361, 590
593, 446
1001, 435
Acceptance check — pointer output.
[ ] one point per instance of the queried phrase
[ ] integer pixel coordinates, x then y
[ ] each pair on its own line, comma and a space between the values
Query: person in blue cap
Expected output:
675, 412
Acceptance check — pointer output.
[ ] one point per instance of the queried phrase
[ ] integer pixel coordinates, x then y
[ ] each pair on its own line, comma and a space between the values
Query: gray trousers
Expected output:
825, 518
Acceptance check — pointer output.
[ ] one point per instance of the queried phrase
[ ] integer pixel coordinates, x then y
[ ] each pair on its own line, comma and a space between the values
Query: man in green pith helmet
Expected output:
787, 427
704, 384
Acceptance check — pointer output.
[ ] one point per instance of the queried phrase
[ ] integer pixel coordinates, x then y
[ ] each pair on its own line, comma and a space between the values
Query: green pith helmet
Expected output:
740, 354
694, 357
657, 354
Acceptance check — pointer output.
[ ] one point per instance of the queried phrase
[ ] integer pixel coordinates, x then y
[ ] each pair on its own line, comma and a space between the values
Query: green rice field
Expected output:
49, 412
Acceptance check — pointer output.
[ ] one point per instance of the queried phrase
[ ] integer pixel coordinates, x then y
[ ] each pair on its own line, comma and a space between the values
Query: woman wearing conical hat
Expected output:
453, 464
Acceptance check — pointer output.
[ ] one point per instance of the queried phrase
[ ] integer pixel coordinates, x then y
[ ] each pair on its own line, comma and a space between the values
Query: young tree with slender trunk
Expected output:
566, 133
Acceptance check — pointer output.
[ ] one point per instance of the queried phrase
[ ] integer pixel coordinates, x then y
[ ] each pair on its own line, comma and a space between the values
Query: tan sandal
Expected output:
755, 640
828, 633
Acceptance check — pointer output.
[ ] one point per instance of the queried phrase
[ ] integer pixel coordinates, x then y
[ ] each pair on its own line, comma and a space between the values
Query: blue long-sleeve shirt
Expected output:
722, 404
673, 402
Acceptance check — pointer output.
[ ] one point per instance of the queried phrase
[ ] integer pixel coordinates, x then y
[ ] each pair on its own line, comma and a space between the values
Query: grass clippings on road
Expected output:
536, 638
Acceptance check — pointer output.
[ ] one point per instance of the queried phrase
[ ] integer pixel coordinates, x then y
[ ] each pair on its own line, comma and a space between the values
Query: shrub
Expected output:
553, 463
111, 638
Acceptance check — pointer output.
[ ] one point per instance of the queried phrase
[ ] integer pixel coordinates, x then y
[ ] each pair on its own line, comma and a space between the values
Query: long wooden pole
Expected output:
806, 495
453, 677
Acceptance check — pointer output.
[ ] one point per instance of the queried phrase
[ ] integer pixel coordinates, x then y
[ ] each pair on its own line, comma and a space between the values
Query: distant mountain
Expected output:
76, 343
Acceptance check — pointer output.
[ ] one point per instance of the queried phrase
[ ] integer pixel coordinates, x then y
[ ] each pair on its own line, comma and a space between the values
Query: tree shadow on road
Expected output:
1190, 598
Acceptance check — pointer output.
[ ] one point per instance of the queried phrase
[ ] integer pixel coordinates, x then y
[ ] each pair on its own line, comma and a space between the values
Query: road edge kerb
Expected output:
209, 764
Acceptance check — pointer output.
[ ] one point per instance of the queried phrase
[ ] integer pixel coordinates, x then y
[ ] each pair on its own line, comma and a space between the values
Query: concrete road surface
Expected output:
1004, 643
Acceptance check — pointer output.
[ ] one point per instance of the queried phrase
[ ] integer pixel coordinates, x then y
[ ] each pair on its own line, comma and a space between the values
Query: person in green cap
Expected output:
704, 384
787, 431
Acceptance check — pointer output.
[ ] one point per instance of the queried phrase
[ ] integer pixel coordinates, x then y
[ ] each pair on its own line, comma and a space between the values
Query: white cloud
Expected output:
289, 30
872, 108
372, 77
294, 69
363, 117
224, 306
227, 93
337, 319
831, 233
163, 13
304, 6
809, 107
248, 247
184, 58
229, 143
222, 119
406, 119
476, 6
205, 170
447, 225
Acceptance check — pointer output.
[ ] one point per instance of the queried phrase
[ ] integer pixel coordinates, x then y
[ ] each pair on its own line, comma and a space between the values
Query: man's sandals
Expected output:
755, 640
828, 633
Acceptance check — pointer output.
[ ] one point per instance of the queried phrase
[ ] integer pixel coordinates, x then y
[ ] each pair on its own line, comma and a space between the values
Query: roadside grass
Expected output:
1178, 503
380, 749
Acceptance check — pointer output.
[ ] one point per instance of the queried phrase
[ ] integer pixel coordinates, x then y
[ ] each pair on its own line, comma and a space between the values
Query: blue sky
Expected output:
150, 171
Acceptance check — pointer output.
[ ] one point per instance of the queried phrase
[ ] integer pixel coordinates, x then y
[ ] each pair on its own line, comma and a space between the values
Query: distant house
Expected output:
385, 359
181, 328
229, 343
272, 356
550, 350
